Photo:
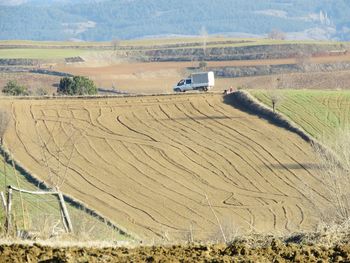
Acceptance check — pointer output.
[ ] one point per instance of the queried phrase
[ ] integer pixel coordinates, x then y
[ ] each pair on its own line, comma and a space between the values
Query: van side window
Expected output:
188, 81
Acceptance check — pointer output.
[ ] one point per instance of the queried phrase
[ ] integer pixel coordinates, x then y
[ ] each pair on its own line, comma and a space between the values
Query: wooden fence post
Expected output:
3, 201
64, 222
67, 223
66, 218
8, 210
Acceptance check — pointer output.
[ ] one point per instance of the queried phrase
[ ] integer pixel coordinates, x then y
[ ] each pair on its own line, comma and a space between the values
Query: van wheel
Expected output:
205, 88
177, 90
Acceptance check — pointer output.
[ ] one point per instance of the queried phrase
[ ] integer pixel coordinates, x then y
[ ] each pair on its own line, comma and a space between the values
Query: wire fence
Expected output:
40, 216
37, 214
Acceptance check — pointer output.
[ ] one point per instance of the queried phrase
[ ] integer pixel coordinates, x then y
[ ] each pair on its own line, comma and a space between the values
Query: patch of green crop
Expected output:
320, 113
37, 53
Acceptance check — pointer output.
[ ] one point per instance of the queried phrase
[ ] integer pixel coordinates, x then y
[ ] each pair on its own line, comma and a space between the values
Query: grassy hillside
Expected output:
317, 112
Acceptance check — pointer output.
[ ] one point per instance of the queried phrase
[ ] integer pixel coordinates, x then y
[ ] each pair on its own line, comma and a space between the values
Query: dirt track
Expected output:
160, 77
148, 163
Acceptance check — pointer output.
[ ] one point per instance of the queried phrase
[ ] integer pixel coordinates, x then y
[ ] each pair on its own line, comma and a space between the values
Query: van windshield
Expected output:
181, 82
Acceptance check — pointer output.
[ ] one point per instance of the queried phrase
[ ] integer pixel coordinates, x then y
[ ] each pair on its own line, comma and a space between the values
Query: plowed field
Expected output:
167, 166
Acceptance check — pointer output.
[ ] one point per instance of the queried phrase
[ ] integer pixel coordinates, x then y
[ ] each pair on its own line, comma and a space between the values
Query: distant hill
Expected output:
125, 19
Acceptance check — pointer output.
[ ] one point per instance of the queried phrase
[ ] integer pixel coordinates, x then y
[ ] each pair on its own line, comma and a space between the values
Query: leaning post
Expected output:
8, 224
65, 213
3, 202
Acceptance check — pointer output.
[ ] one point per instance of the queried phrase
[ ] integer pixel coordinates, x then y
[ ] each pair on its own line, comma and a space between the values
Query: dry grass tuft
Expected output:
335, 172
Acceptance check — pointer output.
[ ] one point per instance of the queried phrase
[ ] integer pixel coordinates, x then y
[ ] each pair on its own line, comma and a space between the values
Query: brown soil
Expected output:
318, 80
163, 82
274, 251
149, 164
160, 77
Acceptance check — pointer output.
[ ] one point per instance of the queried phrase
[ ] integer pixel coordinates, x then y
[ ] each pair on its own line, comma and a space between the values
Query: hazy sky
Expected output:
19, 2
12, 2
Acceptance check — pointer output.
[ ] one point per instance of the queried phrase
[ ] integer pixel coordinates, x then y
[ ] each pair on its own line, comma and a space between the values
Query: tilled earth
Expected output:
152, 163
273, 251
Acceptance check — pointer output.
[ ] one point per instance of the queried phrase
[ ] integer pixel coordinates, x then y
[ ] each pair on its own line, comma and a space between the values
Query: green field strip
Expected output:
37, 53
318, 112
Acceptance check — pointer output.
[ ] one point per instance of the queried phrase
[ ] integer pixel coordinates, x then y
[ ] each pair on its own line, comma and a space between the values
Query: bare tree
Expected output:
204, 35
276, 34
57, 154
115, 43
275, 99
303, 59
274, 94
202, 65
4, 121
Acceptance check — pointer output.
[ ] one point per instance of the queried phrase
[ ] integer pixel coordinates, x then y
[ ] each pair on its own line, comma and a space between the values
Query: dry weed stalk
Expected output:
217, 219
20, 194
335, 171
229, 228
4, 121
57, 156
303, 60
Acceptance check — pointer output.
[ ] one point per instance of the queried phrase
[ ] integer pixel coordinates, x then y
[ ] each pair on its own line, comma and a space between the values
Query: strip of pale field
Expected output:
58, 50
165, 41
148, 163
40, 53
320, 113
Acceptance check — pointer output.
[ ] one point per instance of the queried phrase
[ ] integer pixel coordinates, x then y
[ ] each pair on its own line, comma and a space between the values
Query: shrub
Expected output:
77, 85
12, 88
41, 92
202, 65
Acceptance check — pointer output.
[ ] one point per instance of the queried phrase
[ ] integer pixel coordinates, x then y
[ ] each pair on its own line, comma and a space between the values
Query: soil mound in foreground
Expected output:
273, 251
